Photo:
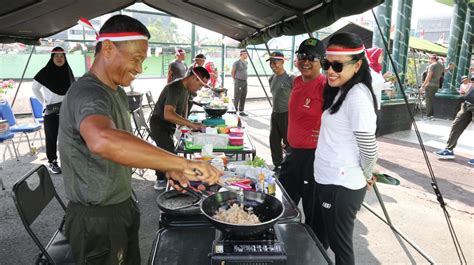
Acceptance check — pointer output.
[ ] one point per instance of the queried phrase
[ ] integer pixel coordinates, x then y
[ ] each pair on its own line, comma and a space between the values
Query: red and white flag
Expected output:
116, 36
441, 39
87, 24
422, 34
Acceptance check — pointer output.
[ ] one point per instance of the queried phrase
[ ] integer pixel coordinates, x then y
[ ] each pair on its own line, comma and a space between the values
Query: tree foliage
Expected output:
162, 29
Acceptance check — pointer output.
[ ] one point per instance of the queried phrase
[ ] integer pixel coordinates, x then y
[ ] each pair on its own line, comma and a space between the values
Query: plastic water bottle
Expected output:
261, 183
271, 187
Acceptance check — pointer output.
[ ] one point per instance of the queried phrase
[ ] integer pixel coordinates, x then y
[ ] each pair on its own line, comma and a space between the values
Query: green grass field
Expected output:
12, 65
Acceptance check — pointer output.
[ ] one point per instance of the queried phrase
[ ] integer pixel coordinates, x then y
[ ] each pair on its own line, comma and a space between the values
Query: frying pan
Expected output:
268, 209
176, 203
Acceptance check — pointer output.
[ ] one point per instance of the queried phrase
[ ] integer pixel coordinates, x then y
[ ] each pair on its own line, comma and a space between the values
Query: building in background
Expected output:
435, 29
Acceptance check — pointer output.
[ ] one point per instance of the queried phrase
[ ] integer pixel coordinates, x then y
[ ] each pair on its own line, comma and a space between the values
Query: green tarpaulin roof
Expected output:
414, 43
427, 46
248, 21
451, 2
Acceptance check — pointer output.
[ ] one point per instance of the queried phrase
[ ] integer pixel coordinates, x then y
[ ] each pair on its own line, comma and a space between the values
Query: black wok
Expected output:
215, 112
268, 209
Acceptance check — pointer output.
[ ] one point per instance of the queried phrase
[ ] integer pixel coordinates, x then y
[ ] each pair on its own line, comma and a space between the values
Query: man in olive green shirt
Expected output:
171, 110
431, 84
97, 151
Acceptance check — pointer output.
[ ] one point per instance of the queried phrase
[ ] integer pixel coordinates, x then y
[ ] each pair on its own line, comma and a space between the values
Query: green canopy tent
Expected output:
427, 46
450, 2
248, 21
414, 43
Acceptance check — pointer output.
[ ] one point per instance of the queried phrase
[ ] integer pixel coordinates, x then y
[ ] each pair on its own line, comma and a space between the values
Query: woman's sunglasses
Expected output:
303, 56
336, 66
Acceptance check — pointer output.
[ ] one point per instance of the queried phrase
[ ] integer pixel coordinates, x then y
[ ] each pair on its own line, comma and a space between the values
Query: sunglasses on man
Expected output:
304, 56
336, 66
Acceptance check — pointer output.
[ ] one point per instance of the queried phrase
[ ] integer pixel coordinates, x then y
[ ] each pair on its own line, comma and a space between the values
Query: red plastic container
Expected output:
239, 132
185, 129
236, 140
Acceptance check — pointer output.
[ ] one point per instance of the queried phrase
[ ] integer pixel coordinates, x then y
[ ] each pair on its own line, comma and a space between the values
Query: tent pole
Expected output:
84, 50
268, 50
434, 183
292, 65
193, 42
399, 233
415, 68
23, 75
260, 60
382, 204
259, 80
305, 24
223, 53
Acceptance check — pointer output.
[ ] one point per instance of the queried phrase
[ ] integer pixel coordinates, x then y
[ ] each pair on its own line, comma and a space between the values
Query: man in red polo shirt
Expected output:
305, 108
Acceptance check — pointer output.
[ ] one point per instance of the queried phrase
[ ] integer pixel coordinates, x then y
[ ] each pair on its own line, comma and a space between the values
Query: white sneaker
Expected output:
54, 168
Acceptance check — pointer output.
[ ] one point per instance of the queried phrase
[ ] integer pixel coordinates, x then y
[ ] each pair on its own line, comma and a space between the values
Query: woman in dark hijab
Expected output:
50, 85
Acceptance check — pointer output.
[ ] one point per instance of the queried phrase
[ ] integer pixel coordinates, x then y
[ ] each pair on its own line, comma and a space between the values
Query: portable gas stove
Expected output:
263, 249
213, 121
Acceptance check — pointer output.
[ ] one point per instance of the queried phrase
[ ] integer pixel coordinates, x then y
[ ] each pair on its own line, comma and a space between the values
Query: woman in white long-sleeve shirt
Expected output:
347, 150
50, 85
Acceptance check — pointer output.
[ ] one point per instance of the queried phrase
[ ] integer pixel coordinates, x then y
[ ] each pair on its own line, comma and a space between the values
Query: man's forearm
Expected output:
176, 119
428, 79
126, 149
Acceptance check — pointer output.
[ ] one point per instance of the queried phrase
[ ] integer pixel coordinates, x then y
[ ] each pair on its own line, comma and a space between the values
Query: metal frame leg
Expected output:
390, 224
30, 143
18, 144
40, 135
7, 147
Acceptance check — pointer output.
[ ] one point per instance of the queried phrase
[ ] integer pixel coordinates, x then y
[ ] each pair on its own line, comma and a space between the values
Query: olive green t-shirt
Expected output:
178, 69
176, 95
280, 86
437, 70
88, 178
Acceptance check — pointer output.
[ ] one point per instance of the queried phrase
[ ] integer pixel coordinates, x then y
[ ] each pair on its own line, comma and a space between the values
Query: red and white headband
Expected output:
199, 78
278, 58
121, 36
117, 36
179, 52
345, 51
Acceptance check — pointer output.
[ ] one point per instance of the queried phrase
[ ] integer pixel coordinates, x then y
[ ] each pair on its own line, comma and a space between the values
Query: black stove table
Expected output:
192, 245
291, 213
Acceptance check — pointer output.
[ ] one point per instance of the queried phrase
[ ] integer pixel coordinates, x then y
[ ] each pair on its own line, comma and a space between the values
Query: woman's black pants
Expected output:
339, 206
51, 128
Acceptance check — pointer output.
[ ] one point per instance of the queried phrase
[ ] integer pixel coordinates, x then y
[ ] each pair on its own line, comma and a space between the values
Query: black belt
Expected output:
52, 108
